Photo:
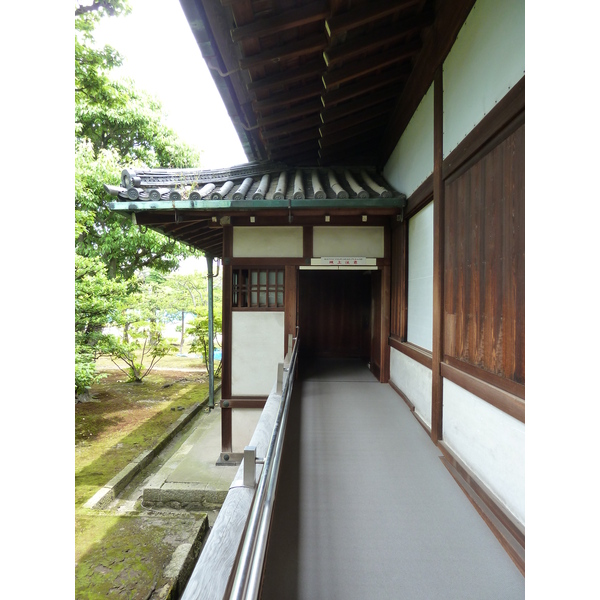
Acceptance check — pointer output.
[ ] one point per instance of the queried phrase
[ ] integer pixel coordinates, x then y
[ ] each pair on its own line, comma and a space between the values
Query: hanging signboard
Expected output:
347, 261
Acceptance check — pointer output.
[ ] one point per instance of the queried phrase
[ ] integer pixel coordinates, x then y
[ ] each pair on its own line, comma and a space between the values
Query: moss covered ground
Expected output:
124, 554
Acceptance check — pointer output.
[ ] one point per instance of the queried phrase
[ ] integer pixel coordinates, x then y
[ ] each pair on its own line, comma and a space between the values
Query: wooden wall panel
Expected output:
484, 256
335, 314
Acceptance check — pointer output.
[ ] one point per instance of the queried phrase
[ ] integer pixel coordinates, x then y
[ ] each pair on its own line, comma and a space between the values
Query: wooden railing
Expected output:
230, 564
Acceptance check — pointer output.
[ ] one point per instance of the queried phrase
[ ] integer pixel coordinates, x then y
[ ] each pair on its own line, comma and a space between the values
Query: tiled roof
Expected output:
192, 205
253, 181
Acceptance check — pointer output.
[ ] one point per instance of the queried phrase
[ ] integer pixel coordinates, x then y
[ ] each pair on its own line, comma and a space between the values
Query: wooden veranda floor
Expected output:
365, 507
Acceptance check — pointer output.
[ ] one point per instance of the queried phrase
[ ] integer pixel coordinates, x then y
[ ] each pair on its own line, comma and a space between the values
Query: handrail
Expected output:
248, 571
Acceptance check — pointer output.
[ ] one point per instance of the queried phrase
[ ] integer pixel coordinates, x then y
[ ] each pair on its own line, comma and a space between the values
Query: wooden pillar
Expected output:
438, 259
290, 302
384, 324
226, 345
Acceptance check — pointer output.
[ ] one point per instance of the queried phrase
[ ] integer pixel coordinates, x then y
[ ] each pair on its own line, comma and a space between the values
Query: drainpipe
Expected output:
211, 335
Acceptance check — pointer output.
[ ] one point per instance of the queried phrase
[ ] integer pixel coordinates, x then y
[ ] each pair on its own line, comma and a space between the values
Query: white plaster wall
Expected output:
256, 350
348, 241
414, 380
411, 162
489, 442
420, 278
243, 424
487, 59
268, 242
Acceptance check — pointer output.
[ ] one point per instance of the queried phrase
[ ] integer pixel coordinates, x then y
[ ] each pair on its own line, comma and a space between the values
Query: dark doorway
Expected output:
335, 314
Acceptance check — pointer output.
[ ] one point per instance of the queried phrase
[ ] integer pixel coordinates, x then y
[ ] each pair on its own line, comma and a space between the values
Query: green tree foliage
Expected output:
198, 329
146, 343
96, 304
116, 125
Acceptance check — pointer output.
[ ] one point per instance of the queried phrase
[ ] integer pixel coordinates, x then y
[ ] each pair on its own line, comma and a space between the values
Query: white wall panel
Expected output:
420, 278
414, 380
411, 162
487, 59
348, 241
489, 442
268, 242
243, 424
256, 350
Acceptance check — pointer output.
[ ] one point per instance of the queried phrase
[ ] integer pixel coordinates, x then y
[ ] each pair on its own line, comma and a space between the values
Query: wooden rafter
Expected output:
287, 77
388, 35
354, 70
306, 108
289, 19
293, 127
353, 106
350, 132
289, 97
342, 119
368, 13
391, 79
312, 44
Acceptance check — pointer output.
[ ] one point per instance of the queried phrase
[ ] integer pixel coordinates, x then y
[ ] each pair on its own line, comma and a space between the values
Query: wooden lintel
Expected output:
281, 22
314, 43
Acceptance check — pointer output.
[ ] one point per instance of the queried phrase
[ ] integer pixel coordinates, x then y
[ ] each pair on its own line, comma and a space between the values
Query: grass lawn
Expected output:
122, 421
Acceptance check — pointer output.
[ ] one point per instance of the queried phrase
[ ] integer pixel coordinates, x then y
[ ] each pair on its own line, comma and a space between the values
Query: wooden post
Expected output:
438, 260
211, 335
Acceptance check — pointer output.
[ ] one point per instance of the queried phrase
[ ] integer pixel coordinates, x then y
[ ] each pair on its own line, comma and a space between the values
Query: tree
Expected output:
199, 327
116, 125
97, 301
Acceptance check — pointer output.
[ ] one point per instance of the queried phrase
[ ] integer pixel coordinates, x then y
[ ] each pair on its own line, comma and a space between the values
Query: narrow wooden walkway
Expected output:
367, 510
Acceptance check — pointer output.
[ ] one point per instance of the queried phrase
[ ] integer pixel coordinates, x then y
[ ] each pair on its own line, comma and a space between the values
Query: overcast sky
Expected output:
162, 56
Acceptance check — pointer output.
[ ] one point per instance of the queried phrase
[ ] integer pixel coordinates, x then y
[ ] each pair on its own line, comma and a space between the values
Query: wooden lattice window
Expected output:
258, 288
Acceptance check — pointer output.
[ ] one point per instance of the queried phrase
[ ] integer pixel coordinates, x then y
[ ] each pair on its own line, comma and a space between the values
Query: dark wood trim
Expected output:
307, 242
306, 217
505, 118
404, 283
266, 262
502, 400
419, 355
374, 368
450, 17
512, 387
227, 241
384, 324
438, 259
290, 302
226, 333
411, 406
420, 198
507, 530
245, 402
258, 309
225, 429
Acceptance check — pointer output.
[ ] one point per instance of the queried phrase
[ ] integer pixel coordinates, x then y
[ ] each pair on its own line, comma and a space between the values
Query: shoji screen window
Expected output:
258, 288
